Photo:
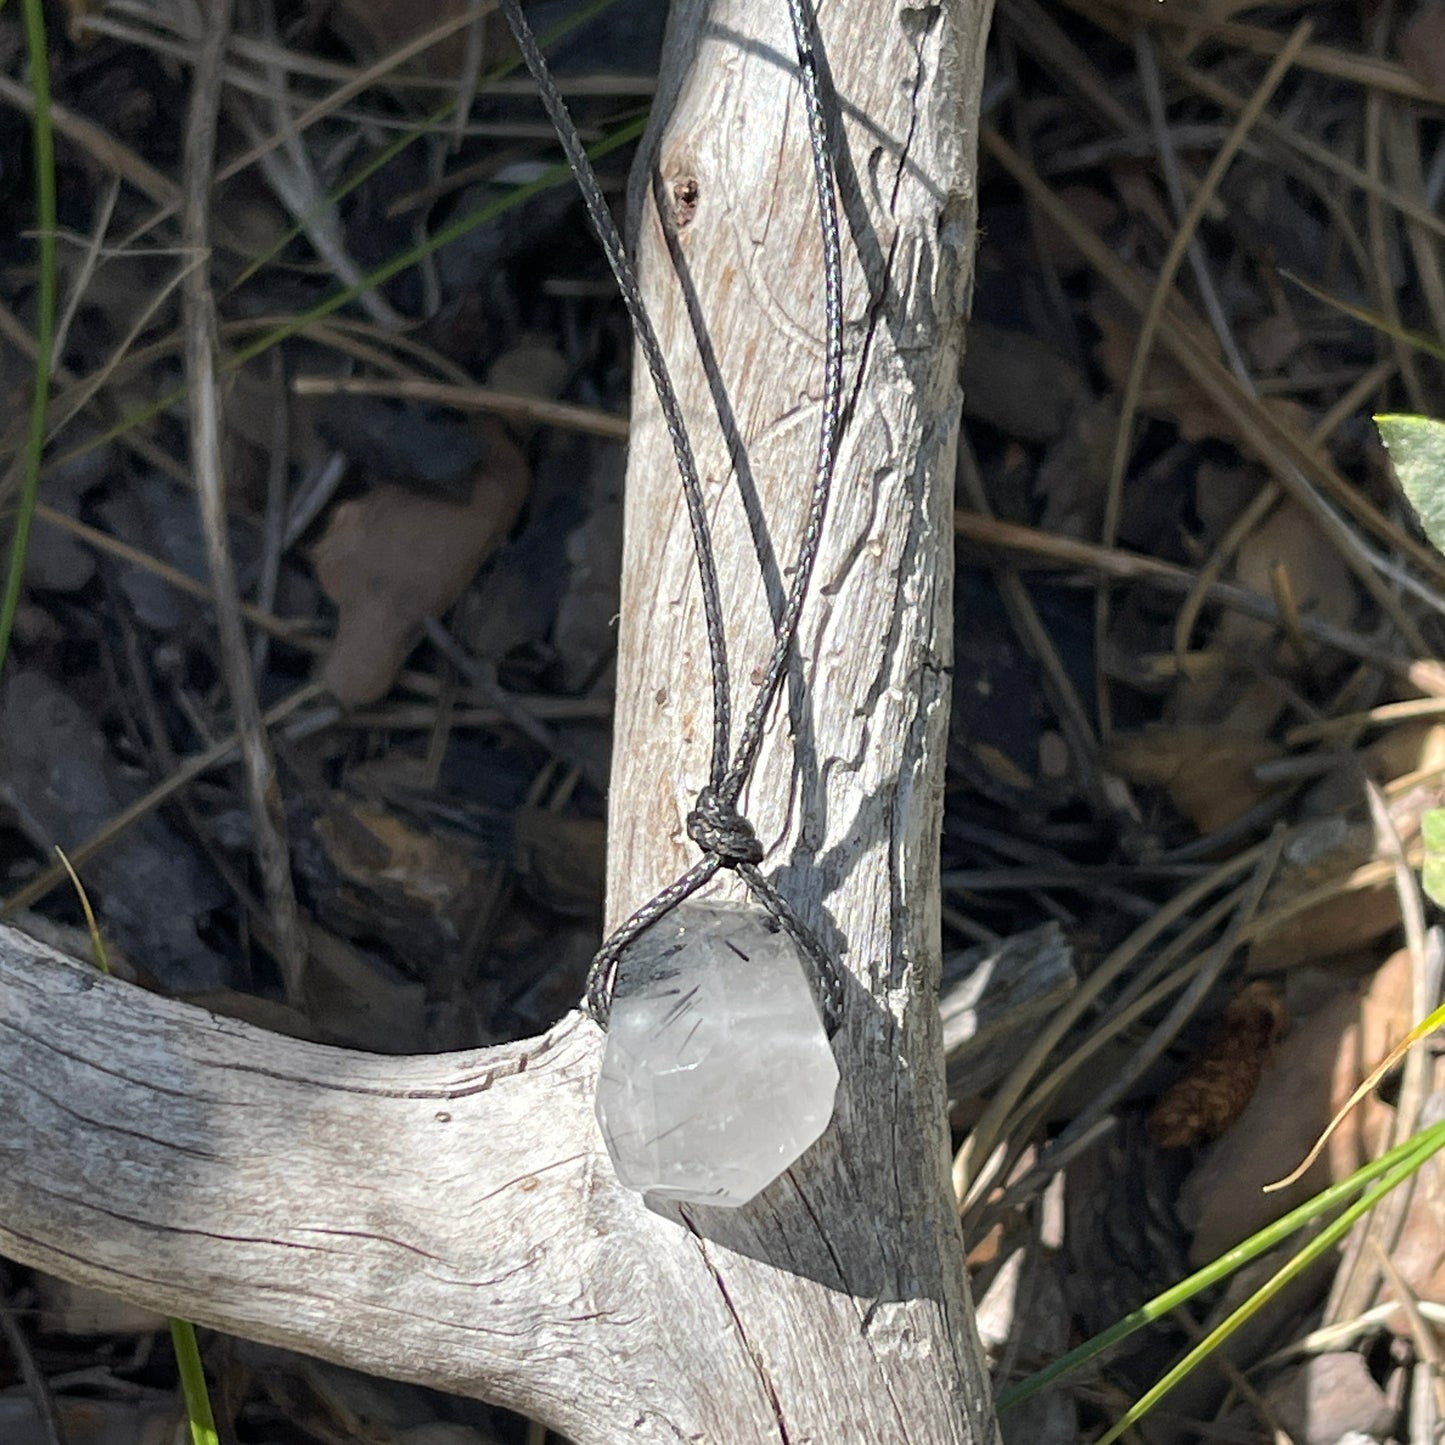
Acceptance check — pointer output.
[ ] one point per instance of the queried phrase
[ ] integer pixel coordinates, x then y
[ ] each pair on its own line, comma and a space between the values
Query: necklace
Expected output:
717, 1074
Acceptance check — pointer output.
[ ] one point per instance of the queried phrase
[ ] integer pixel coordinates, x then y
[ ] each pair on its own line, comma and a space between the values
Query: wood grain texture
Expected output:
454, 1220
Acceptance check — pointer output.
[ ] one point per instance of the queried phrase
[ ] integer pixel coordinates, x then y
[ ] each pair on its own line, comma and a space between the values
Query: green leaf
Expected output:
1432, 834
1417, 448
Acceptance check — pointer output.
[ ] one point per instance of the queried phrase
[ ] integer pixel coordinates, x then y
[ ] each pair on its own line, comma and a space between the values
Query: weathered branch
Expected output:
454, 1220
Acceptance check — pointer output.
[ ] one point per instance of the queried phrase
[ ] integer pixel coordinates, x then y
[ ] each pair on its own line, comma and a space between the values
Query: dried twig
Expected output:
1359, 1273
94, 247
1365, 70
971, 1171
99, 143
1118, 563
1150, 321
516, 406
1381, 247
1298, 464
1074, 721
1148, 65
273, 527
289, 632
218, 754
290, 172
268, 815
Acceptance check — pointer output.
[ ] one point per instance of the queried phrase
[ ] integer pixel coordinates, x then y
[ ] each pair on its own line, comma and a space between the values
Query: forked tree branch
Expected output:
454, 1220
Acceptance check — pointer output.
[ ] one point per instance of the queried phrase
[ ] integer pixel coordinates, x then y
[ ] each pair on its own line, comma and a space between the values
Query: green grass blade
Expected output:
1424, 1145
1375, 320
426, 126
1217, 1270
43, 144
454, 230
193, 1384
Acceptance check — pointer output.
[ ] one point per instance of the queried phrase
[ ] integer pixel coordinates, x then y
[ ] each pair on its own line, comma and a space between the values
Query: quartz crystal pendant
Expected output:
717, 1073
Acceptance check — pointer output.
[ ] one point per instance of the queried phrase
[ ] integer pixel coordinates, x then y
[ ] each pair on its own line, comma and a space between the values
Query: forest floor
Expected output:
1199, 706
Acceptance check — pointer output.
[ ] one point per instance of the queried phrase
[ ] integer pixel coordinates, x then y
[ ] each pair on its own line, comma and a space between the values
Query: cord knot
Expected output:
717, 827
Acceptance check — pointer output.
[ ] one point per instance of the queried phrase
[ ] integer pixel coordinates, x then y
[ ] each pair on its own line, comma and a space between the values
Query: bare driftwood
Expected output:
454, 1220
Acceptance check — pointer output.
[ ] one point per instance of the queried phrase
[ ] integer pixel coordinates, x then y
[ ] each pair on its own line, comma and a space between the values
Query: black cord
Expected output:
829, 431
726, 838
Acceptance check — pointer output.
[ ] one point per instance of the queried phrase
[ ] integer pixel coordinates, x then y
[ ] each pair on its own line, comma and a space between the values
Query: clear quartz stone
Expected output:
717, 1074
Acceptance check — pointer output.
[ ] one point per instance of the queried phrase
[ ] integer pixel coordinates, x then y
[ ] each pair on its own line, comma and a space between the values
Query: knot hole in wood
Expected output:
683, 192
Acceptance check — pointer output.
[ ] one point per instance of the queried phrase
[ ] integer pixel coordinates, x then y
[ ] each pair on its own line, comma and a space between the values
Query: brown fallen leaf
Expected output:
1324, 903
1417, 746
1413, 747
1320, 582
1222, 1078
388, 880
1095, 209
406, 869
1071, 478
1272, 341
1332, 1398
1208, 772
1167, 391
1419, 1250
394, 558
1385, 1017
1019, 384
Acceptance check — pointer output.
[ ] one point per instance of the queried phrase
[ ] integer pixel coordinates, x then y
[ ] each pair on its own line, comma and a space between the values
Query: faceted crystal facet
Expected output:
717, 1073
